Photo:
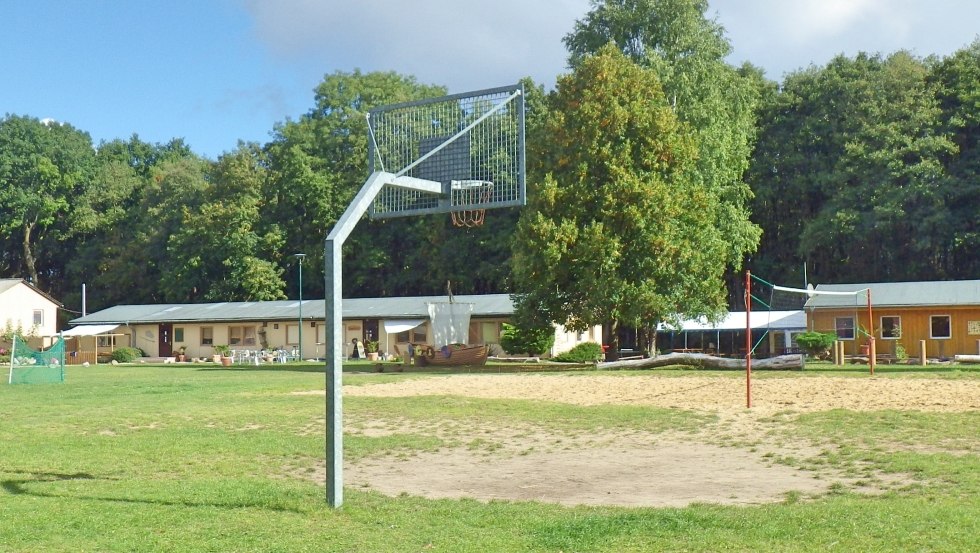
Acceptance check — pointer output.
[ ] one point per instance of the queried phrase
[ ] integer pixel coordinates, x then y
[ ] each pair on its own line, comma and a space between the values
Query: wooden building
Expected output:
943, 314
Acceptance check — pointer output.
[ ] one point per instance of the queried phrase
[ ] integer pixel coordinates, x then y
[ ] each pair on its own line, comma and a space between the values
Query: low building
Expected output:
27, 310
944, 315
773, 333
162, 330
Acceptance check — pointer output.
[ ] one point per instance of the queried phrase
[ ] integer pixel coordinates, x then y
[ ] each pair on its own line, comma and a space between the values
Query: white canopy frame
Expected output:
94, 331
397, 326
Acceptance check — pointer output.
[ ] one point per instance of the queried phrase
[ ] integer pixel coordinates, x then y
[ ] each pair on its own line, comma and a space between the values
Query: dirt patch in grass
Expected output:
737, 460
624, 472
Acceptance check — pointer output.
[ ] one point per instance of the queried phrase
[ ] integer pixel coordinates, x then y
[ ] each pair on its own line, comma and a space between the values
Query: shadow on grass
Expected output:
260, 368
310, 368
881, 368
22, 487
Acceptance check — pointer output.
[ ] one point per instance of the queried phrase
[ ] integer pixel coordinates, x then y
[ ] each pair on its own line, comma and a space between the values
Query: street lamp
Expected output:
300, 256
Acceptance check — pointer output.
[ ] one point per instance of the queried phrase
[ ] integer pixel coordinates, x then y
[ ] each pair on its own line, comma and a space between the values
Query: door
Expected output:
166, 345
371, 329
352, 330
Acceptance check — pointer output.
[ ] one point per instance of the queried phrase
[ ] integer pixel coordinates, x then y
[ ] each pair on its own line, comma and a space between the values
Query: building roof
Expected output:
735, 320
354, 308
900, 294
10, 283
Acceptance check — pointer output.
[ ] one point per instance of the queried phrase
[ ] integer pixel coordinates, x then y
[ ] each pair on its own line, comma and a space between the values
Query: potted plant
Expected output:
371, 349
182, 354
222, 354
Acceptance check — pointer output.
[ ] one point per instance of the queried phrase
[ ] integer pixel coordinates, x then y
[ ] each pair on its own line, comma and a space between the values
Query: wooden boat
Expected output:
452, 355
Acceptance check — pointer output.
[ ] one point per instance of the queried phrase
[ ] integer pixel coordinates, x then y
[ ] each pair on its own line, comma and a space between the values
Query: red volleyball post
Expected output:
871, 336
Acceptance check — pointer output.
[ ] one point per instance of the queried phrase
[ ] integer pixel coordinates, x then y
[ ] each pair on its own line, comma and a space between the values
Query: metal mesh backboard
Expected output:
455, 140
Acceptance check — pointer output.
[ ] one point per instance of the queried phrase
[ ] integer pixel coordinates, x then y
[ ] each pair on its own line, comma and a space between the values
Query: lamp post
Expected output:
300, 256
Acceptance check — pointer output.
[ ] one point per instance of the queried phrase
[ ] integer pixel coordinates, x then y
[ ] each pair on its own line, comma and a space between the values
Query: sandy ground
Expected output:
731, 461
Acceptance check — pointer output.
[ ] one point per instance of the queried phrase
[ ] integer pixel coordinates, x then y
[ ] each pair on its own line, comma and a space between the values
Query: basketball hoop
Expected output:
469, 193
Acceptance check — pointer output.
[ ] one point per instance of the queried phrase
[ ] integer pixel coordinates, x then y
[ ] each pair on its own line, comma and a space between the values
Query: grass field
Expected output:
195, 458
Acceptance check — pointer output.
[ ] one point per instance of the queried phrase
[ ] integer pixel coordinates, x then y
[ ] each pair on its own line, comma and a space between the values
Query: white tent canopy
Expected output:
89, 330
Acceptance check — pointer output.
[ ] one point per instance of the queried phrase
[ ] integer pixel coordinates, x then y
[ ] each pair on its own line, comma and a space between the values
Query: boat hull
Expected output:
453, 355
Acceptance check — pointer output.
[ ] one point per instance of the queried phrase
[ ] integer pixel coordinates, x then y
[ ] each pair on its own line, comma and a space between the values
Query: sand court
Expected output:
729, 461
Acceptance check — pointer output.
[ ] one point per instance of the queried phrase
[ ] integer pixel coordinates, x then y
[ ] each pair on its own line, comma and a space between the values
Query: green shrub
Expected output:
900, 352
816, 344
522, 339
126, 355
586, 352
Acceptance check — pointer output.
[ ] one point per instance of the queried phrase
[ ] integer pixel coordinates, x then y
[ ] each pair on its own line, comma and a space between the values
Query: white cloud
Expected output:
478, 43
782, 36
820, 19
463, 45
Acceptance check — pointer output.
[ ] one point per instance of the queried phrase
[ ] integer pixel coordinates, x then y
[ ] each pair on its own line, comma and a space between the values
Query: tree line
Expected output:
656, 171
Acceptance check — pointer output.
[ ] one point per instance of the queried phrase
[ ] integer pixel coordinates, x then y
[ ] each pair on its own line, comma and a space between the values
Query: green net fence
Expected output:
31, 366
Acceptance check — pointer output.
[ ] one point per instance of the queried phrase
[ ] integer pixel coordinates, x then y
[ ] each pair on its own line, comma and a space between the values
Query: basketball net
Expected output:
469, 194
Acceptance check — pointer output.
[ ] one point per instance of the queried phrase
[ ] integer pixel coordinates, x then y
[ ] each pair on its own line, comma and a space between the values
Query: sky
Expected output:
215, 72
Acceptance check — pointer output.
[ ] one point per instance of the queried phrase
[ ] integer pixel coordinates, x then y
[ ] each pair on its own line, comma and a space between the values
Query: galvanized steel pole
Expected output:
300, 256
334, 365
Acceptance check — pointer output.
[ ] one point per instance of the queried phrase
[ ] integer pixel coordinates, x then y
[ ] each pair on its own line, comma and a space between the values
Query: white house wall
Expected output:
566, 339
268, 335
18, 305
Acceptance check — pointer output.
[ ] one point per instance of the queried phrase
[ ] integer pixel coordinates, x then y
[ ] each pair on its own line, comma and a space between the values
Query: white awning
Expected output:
395, 326
89, 330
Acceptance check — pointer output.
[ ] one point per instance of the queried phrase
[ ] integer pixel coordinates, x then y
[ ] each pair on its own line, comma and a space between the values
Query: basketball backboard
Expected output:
456, 141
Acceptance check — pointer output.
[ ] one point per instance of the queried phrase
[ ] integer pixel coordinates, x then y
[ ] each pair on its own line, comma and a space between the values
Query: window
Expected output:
844, 327
241, 336
491, 333
292, 334
179, 334
483, 332
793, 344
416, 335
940, 327
38, 317
891, 328
207, 336
106, 341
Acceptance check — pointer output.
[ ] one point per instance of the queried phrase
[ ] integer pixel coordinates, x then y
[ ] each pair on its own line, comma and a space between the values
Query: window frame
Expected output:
853, 328
106, 341
949, 327
38, 317
881, 321
246, 335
